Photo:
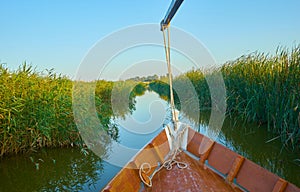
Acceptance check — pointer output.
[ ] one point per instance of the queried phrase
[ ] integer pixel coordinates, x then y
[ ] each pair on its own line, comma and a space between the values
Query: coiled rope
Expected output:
168, 164
176, 138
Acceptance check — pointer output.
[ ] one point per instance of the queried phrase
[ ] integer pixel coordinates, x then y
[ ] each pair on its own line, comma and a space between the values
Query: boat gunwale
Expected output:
280, 185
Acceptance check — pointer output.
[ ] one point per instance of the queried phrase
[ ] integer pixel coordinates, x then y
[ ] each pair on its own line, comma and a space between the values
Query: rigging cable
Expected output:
168, 59
176, 138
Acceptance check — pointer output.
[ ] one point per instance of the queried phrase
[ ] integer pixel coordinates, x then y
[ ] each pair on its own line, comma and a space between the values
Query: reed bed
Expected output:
197, 80
260, 88
36, 110
119, 96
266, 89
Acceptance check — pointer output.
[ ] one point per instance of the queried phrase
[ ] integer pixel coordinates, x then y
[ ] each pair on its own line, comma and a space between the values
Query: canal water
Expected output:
70, 169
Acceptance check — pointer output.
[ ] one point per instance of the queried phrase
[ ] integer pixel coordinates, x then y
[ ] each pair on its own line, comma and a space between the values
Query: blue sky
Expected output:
58, 33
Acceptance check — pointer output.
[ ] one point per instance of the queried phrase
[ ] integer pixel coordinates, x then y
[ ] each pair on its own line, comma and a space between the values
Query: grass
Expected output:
260, 88
36, 108
265, 89
36, 111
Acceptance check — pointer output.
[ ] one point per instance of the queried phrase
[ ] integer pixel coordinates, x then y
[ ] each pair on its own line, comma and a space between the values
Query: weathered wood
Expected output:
160, 145
197, 177
194, 178
255, 178
292, 188
205, 149
280, 185
235, 168
126, 180
194, 142
221, 158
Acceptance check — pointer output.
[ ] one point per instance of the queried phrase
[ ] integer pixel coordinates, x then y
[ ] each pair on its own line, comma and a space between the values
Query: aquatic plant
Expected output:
36, 110
260, 88
265, 89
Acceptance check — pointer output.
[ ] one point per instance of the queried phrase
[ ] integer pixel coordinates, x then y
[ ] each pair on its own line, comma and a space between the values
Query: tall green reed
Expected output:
36, 110
265, 89
260, 88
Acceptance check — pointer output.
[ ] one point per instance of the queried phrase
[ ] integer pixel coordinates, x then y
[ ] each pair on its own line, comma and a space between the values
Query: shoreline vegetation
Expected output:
36, 108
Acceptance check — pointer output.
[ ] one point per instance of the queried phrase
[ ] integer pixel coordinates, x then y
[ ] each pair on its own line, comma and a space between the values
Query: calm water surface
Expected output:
69, 169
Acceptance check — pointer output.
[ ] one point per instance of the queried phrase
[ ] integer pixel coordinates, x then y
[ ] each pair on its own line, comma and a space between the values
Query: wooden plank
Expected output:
161, 145
280, 185
205, 148
194, 142
252, 177
221, 158
235, 168
126, 180
195, 178
199, 145
292, 188
148, 155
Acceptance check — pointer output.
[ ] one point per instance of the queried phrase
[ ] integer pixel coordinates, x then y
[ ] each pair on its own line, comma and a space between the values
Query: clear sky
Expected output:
58, 33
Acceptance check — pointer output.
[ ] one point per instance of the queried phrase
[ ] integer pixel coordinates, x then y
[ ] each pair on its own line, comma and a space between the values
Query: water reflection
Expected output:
143, 124
254, 143
69, 170
123, 97
248, 139
137, 128
51, 170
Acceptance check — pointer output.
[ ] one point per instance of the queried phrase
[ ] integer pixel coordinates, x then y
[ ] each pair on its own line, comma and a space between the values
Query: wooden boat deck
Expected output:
194, 178
211, 167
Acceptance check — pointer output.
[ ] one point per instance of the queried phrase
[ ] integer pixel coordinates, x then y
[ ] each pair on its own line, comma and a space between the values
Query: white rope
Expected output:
168, 59
169, 163
176, 138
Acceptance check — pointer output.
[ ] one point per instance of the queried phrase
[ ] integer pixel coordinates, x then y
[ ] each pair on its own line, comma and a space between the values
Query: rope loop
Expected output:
145, 168
147, 180
168, 164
